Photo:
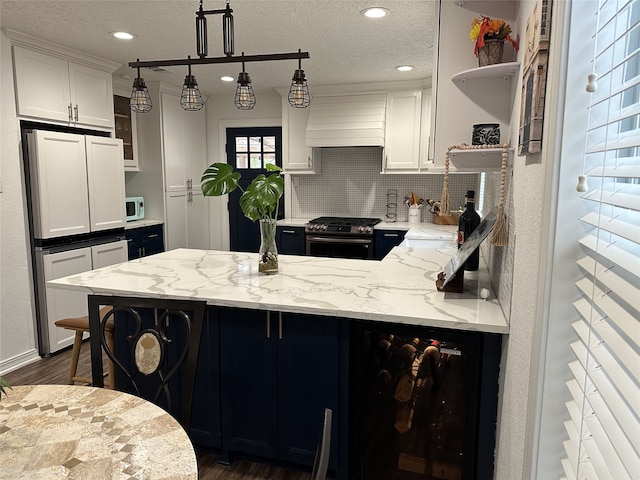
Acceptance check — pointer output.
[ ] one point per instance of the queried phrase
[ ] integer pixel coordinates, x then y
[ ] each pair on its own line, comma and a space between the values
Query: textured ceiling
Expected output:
344, 46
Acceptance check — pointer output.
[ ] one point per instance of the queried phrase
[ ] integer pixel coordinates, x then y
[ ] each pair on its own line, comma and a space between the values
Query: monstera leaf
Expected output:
219, 179
259, 200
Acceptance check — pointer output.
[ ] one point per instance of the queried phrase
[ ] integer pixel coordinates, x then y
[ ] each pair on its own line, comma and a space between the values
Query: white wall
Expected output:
17, 335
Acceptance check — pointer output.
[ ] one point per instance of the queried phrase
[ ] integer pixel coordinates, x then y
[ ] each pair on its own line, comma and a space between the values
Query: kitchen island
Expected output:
276, 350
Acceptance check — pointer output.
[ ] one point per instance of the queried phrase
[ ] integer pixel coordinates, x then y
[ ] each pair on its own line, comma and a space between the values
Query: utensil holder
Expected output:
415, 215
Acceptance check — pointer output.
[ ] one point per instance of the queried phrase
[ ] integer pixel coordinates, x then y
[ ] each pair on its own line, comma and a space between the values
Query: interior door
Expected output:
249, 150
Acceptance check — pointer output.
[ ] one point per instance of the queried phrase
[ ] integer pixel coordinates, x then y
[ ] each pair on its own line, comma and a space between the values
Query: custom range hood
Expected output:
347, 121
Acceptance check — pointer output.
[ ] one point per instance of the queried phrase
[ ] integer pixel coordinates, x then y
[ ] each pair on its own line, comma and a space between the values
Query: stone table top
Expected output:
78, 432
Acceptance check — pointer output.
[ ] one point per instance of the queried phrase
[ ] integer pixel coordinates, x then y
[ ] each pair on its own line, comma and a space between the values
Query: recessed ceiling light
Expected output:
404, 68
122, 35
375, 12
227, 78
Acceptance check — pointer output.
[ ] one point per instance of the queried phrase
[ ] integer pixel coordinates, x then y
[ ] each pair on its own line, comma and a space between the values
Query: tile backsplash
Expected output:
351, 185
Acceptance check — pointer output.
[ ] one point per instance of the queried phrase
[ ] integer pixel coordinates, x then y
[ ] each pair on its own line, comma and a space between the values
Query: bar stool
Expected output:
81, 325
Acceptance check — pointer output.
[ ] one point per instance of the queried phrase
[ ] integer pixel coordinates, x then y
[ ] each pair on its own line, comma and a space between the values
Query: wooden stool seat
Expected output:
81, 325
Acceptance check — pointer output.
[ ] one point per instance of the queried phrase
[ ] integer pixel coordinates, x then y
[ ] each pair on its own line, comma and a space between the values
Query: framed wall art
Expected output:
534, 78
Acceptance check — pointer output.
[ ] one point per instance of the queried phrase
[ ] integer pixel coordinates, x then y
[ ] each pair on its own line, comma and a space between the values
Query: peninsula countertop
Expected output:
399, 289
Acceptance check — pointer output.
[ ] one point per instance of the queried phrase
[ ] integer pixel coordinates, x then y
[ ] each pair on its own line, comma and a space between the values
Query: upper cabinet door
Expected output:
42, 85
52, 88
58, 172
174, 143
105, 174
91, 96
402, 130
184, 144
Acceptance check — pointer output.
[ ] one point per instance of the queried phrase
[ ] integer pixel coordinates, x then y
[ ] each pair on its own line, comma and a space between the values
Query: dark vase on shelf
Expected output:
486, 134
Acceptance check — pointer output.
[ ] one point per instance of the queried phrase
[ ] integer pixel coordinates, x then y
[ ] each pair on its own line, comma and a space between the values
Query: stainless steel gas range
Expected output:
340, 237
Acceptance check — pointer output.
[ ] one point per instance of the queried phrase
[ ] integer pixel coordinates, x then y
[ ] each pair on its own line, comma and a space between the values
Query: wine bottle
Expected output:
467, 223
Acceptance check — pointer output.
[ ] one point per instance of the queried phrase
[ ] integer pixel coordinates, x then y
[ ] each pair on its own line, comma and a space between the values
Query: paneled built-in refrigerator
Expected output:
76, 214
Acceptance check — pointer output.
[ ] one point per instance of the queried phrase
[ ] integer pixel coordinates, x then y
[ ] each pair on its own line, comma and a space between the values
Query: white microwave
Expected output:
134, 208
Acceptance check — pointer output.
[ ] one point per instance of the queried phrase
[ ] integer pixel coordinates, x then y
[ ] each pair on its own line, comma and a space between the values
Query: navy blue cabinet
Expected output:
385, 240
144, 241
206, 429
278, 373
290, 240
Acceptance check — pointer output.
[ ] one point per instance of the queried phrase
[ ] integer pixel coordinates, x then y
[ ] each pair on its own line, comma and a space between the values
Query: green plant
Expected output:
3, 384
261, 198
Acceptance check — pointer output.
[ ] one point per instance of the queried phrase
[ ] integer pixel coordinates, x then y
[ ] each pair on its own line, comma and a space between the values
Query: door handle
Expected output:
75, 110
268, 324
279, 325
70, 113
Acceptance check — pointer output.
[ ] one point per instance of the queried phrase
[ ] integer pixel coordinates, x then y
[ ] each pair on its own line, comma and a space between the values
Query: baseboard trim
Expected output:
19, 361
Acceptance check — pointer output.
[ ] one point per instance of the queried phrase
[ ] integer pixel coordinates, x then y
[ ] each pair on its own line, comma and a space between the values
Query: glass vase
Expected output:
268, 260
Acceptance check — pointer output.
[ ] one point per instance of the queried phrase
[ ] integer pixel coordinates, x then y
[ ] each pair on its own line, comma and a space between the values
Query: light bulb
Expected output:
244, 96
298, 94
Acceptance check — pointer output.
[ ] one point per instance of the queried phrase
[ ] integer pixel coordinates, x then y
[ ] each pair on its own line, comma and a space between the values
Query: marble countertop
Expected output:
65, 431
400, 289
145, 222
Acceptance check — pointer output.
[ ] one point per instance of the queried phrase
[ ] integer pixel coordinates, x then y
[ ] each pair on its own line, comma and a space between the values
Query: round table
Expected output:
77, 432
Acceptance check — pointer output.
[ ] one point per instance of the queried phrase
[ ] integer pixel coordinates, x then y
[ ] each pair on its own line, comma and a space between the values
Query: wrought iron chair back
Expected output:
156, 348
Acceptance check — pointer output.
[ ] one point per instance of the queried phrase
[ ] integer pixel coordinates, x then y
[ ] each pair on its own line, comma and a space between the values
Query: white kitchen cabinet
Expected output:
402, 130
187, 225
77, 183
69, 304
54, 88
297, 158
105, 178
184, 144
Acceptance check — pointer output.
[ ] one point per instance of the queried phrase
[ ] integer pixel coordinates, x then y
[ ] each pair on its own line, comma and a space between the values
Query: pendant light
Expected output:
140, 101
299, 96
191, 99
245, 98
227, 31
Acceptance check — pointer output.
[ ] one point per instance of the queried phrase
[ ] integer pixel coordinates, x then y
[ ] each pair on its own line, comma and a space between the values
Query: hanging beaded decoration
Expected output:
499, 235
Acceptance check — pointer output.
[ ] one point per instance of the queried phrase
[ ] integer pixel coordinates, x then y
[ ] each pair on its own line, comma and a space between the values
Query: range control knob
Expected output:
324, 227
368, 229
361, 229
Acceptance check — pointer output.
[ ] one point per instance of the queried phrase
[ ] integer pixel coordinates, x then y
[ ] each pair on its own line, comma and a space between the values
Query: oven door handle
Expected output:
343, 240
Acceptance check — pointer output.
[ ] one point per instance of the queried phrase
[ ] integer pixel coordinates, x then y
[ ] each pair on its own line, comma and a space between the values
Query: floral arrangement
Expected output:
485, 28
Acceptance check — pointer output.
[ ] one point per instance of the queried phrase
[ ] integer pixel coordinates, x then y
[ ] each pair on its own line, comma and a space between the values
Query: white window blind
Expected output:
603, 432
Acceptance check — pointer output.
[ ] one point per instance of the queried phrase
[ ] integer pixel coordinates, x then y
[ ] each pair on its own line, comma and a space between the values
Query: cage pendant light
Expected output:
140, 101
299, 96
227, 31
191, 99
245, 98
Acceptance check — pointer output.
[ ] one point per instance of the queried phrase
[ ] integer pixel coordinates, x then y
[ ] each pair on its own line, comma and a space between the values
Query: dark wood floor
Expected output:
55, 370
